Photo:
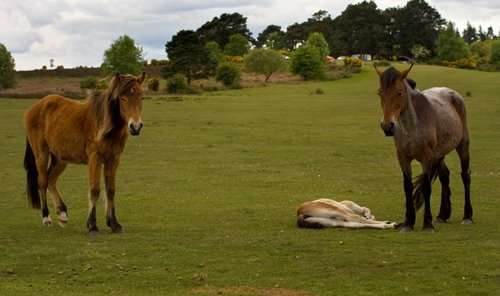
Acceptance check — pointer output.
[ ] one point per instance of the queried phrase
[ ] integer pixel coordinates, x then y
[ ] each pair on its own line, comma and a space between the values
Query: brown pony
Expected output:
61, 131
426, 126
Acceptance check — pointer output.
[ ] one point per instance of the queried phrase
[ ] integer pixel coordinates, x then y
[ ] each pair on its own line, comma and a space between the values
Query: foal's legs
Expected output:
55, 169
444, 178
110, 168
357, 209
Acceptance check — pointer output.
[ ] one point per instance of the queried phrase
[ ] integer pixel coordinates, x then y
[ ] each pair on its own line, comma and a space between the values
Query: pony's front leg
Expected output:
426, 191
410, 209
110, 168
409, 223
94, 191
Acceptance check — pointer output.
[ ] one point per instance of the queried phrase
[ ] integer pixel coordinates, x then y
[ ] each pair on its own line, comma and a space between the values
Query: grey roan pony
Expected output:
426, 126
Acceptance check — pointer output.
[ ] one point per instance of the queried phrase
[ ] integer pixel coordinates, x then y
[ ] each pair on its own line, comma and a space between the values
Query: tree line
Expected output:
415, 31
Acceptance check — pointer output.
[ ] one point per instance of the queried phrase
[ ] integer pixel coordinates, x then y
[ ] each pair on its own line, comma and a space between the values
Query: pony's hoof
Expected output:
47, 222
405, 228
63, 217
467, 221
439, 221
117, 230
428, 229
93, 233
397, 225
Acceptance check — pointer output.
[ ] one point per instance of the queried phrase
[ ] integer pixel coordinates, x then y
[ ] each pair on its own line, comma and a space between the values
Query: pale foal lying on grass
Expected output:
326, 212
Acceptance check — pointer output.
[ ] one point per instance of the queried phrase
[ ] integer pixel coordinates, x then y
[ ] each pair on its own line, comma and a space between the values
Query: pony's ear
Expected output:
141, 78
404, 74
377, 70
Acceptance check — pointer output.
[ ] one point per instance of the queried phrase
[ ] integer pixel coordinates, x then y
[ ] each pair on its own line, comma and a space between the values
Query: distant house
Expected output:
363, 56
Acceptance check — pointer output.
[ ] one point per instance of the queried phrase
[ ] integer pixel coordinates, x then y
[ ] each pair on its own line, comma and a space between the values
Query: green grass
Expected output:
207, 197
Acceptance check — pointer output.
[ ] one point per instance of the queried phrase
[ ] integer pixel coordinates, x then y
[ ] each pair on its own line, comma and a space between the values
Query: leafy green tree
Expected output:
358, 29
265, 61
263, 40
297, 34
219, 29
215, 56
307, 62
317, 40
417, 23
276, 41
450, 46
187, 55
469, 34
389, 30
481, 50
7, 69
228, 73
495, 52
490, 34
238, 45
123, 57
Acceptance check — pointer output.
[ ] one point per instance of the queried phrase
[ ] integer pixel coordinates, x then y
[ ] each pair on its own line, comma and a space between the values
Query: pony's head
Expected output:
127, 92
393, 97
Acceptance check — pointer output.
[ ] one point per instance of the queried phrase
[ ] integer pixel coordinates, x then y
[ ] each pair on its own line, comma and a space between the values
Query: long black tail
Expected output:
31, 178
418, 195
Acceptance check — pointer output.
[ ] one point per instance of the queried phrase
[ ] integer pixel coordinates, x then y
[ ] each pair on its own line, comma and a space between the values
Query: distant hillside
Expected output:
151, 71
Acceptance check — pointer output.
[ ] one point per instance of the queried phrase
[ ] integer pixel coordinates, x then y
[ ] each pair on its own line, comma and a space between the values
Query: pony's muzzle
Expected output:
388, 128
135, 128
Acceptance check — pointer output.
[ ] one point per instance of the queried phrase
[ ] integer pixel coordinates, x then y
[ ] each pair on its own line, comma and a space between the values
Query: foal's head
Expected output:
393, 97
127, 90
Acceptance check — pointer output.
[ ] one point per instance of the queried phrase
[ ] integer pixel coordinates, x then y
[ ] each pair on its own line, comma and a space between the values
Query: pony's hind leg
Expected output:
55, 169
463, 154
444, 178
42, 159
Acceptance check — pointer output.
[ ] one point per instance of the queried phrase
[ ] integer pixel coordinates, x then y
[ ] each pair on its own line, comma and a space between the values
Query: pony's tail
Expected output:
302, 223
418, 195
31, 177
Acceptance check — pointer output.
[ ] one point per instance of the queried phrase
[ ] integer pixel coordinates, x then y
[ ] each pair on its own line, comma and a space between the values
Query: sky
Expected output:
77, 32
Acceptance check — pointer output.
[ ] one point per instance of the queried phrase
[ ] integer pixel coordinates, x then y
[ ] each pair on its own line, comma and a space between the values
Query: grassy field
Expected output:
207, 197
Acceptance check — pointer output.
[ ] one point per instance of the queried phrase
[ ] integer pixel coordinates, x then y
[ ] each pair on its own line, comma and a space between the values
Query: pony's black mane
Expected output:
105, 105
389, 77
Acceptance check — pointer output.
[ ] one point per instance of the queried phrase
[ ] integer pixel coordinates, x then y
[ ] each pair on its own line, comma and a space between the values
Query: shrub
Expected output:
307, 62
177, 83
265, 61
495, 52
227, 73
353, 62
88, 83
153, 83
465, 63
